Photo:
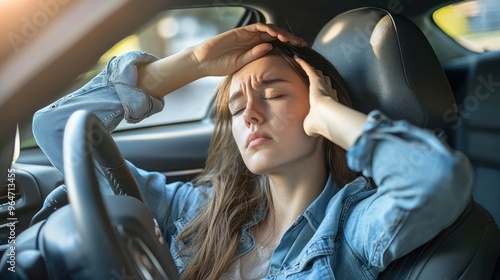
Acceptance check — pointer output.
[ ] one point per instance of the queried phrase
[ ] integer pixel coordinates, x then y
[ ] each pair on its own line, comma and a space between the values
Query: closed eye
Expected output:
270, 97
237, 112
275, 96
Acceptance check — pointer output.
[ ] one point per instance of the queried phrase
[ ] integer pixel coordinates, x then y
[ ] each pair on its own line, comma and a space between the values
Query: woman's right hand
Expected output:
231, 50
218, 56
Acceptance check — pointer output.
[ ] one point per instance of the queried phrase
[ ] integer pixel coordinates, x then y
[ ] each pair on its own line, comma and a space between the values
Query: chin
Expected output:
258, 171
258, 168
261, 165
263, 169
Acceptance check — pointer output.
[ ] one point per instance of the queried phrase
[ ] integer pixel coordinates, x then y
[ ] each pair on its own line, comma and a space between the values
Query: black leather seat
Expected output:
389, 65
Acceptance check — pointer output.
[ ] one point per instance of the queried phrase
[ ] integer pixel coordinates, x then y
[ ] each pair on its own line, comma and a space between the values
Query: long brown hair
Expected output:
211, 239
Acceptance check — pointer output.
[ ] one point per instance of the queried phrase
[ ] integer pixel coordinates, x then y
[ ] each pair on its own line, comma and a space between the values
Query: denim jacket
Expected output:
352, 232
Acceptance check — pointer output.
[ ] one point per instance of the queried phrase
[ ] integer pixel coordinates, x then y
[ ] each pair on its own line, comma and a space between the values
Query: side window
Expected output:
167, 34
473, 24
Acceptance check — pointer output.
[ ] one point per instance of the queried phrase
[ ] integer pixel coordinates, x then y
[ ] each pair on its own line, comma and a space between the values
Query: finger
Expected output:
271, 32
328, 82
335, 95
254, 53
288, 37
330, 88
310, 71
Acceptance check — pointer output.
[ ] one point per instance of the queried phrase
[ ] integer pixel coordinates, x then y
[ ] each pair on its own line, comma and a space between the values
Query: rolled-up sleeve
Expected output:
112, 95
422, 187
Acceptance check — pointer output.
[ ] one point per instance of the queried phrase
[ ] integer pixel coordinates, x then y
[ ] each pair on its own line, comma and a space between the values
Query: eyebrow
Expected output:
268, 82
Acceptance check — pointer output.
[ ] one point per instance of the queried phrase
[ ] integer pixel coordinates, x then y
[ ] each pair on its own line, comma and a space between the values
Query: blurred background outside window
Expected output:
473, 24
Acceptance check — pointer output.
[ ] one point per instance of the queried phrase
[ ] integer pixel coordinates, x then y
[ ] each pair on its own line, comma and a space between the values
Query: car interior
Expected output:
393, 59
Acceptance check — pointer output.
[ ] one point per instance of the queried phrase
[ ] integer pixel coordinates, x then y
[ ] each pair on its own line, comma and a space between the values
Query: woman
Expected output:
277, 198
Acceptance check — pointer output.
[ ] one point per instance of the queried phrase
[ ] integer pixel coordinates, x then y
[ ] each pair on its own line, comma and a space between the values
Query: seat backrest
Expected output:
389, 65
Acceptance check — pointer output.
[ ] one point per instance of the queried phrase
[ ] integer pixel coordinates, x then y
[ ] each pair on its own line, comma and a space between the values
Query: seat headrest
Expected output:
388, 65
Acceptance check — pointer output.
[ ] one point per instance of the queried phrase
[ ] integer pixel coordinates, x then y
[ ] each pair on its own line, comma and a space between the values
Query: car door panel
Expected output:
179, 151
22, 196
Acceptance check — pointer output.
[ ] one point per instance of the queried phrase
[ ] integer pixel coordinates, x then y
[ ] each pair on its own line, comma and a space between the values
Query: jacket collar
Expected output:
315, 212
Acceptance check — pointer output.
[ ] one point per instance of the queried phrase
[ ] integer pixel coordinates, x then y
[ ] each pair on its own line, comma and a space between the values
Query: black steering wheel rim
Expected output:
104, 249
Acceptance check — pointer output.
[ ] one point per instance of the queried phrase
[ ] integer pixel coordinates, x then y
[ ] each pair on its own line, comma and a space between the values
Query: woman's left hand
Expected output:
321, 94
327, 117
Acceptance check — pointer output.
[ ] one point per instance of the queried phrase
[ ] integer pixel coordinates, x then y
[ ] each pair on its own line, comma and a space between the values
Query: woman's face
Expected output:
269, 101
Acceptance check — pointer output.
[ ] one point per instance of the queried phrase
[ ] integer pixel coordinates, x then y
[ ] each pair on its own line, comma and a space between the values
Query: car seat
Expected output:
389, 65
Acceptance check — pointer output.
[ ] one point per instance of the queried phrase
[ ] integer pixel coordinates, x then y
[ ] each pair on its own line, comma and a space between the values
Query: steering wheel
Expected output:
112, 244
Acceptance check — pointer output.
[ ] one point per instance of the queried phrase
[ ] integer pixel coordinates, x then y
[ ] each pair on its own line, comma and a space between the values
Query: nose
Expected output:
253, 113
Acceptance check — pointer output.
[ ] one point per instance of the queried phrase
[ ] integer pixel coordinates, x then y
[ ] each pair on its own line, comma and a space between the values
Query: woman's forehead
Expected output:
260, 73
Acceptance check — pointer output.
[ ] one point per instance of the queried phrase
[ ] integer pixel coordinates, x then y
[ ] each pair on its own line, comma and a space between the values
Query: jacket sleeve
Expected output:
422, 188
111, 95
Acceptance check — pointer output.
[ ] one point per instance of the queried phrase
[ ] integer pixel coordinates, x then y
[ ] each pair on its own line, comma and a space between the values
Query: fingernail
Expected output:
269, 47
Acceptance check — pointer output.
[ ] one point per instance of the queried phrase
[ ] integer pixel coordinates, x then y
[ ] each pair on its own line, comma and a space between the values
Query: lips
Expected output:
256, 138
